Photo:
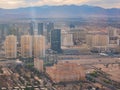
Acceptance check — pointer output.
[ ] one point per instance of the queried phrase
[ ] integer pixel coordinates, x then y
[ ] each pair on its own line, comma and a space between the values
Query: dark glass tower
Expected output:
4, 29
56, 40
32, 26
40, 28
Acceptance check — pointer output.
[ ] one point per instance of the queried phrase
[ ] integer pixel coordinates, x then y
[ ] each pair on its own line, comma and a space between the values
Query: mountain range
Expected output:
63, 11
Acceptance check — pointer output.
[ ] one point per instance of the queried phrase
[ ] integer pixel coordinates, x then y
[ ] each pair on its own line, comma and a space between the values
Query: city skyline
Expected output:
30, 3
59, 45
60, 55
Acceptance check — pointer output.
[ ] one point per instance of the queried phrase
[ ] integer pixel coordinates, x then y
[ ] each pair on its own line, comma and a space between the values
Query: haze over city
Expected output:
9, 4
59, 44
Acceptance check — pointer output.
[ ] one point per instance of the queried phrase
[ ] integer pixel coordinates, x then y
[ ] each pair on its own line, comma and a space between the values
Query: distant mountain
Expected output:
63, 11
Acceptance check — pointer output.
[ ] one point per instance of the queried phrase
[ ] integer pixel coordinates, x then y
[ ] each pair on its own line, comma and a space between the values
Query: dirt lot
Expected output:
112, 69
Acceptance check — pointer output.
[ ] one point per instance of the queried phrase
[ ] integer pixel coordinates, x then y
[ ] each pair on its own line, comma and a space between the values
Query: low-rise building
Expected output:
38, 64
65, 72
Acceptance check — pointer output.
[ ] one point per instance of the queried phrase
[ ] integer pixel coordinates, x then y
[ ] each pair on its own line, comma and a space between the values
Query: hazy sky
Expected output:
25, 3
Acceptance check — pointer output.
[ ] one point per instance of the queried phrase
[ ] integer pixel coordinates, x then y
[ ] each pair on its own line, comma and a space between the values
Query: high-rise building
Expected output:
39, 46
40, 28
26, 46
38, 64
56, 40
36, 28
97, 39
50, 27
79, 35
32, 27
67, 39
100, 41
3, 31
11, 46
112, 32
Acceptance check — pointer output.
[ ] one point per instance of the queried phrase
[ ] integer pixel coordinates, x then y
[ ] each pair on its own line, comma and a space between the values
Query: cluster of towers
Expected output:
33, 44
30, 46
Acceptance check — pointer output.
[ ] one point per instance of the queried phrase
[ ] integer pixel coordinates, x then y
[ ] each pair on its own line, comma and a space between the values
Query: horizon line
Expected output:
60, 5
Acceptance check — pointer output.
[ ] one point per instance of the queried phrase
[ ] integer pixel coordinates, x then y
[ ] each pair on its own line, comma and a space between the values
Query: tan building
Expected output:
38, 64
97, 39
26, 46
39, 46
112, 32
11, 46
79, 35
67, 39
65, 72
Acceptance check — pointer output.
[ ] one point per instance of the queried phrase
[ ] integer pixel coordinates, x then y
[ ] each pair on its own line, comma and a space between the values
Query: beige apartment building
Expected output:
39, 46
10, 46
26, 46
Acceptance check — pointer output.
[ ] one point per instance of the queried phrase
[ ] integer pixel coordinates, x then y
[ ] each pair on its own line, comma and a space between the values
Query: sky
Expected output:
8, 4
